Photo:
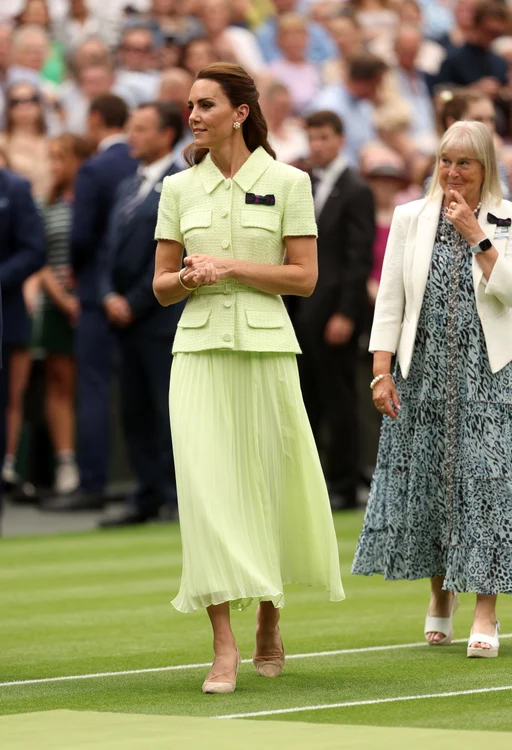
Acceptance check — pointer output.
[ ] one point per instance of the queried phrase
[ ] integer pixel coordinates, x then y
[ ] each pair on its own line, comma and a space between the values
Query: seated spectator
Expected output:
197, 54
61, 308
321, 46
385, 172
36, 13
430, 54
137, 79
292, 69
92, 51
353, 101
286, 134
173, 23
93, 80
412, 87
25, 138
474, 104
475, 63
376, 18
30, 50
461, 30
175, 89
231, 43
78, 25
5, 60
346, 31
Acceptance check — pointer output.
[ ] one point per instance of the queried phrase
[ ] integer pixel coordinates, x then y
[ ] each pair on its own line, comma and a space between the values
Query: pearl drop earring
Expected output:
236, 125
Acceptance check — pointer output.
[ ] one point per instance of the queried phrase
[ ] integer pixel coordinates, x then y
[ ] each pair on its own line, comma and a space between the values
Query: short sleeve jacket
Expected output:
246, 217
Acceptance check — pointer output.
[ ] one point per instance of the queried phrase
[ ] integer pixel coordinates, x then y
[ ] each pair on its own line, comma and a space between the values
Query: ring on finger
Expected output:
453, 204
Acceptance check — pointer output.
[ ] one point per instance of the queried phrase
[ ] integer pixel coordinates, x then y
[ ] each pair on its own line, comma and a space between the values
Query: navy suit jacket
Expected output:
96, 185
129, 264
22, 253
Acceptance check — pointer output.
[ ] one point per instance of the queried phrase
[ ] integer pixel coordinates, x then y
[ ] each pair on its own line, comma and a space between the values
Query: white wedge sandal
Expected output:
484, 653
442, 625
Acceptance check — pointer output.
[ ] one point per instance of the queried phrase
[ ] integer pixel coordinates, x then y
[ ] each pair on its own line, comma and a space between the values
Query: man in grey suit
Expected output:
144, 330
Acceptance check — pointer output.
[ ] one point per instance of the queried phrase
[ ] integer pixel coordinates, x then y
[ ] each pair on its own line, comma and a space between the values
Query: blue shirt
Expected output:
356, 115
321, 47
415, 92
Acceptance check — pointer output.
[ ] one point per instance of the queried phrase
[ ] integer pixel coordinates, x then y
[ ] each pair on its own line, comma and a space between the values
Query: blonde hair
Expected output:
291, 22
475, 140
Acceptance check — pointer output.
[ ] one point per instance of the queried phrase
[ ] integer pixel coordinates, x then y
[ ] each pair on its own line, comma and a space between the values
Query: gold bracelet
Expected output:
188, 288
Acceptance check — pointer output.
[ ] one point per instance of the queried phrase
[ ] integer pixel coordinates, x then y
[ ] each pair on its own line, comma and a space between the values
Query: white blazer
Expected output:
404, 277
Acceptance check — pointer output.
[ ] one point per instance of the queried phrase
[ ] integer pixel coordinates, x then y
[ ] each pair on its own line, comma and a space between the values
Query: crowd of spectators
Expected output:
396, 72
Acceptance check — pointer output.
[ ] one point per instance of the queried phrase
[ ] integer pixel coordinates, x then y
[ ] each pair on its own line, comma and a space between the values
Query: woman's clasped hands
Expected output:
205, 270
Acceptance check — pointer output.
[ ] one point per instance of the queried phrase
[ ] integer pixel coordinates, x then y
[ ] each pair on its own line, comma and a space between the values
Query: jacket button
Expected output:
227, 184
225, 244
224, 213
227, 337
228, 303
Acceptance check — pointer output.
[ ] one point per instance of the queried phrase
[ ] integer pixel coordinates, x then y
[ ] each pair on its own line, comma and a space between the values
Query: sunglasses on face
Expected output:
15, 101
139, 50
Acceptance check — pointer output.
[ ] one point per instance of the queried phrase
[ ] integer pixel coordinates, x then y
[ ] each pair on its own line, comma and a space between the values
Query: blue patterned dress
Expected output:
441, 496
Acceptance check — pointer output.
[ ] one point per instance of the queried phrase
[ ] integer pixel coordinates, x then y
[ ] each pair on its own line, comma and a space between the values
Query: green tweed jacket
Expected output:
246, 217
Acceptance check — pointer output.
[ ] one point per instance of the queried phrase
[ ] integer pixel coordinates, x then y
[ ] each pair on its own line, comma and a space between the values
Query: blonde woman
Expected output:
440, 505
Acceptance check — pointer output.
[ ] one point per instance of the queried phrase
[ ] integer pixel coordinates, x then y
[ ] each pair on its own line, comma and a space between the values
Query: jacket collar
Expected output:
246, 176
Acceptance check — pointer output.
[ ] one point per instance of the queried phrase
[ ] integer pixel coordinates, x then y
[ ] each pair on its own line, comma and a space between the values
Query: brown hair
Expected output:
325, 118
75, 146
457, 102
112, 109
239, 88
40, 122
495, 10
366, 67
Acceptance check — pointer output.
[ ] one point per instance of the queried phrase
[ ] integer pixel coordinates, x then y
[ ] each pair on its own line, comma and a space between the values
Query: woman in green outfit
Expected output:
254, 509
61, 307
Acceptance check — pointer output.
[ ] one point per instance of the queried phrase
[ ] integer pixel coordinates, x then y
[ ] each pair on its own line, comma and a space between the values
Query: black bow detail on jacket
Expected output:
499, 222
260, 200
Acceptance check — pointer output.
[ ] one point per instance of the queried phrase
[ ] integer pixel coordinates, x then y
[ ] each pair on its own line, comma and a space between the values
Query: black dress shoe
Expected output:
80, 500
24, 493
129, 517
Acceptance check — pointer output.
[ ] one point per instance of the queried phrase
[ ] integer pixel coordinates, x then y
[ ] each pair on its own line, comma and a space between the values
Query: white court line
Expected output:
349, 704
181, 667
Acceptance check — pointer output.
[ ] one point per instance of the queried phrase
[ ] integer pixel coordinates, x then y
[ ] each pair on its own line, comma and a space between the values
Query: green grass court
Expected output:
88, 605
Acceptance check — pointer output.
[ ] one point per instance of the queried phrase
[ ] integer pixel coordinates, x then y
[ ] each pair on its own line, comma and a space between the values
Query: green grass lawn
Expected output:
78, 604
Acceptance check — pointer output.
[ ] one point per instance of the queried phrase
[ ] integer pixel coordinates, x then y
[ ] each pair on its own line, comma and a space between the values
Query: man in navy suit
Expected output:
143, 329
97, 182
22, 253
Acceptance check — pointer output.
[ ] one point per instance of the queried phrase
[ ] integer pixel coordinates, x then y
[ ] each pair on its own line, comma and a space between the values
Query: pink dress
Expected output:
379, 249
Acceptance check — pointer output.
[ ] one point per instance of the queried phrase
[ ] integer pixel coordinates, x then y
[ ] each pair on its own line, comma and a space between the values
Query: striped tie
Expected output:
132, 200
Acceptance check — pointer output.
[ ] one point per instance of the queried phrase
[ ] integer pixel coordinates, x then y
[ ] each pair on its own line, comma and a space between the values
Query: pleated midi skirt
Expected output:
253, 504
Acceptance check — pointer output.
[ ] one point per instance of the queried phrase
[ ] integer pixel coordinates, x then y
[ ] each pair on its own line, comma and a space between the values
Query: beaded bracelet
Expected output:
188, 288
380, 377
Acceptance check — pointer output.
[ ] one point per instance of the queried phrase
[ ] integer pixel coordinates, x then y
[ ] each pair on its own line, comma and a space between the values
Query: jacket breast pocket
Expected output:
262, 229
194, 226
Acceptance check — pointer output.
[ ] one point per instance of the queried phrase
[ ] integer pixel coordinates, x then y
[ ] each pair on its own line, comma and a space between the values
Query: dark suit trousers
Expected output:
144, 377
328, 381
94, 344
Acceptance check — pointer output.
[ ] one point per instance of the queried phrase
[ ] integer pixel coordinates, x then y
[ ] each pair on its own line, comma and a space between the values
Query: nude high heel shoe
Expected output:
442, 625
270, 665
484, 653
222, 687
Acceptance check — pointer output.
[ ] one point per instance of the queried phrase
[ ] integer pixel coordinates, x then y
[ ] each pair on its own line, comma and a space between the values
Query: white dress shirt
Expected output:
328, 177
152, 173
111, 140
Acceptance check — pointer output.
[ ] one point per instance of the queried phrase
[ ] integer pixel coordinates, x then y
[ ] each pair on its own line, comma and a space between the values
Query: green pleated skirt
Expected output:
253, 503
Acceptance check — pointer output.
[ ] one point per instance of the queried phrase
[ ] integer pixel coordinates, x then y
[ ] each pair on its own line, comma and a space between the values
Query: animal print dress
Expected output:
441, 497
